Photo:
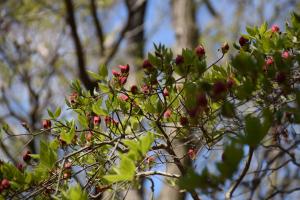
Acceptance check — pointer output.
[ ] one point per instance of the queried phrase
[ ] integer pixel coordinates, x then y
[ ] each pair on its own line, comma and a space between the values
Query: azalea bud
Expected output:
46, 123
202, 100
184, 121
145, 89
123, 97
124, 68
167, 113
269, 61
97, 120
243, 41
134, 89
285, 55
280, 77
68, 165
230, 82
166, 92
150, 159
219, 87
89, 136
200, 51
67, 175
26, 156
275, 28
225, 48
122, 80
192, 154
108, 120
20, 167
179, 59
73, 97
116, 73
5, 183
147, 65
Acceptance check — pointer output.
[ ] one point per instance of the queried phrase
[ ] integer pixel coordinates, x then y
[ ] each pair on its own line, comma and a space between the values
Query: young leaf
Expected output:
57, 112
103, 71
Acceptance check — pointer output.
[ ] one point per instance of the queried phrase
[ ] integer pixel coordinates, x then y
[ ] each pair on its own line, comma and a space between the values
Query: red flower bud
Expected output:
179, 60
67, 175
89, 136
275, 28
225, 48
166, 92
5, 183
150, 159
285, 55
68, 165
115, 73
122, 80
20, 167
167, 113
200, 51
124, 68
146, 89
243, 41
202, 100
46, 123
230, 82
147, 65
193, 112
73, 97
26, 156
184, 121
269, 61
134, 89
123, 97
280, 77
97, 120
108, 120
219, 87
192, 154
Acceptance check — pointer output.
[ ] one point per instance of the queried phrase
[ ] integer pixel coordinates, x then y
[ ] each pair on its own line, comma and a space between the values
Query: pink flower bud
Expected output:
275, 28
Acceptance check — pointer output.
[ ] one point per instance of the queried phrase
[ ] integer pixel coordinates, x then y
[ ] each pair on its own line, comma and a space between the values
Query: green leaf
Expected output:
83, 120
98, 110
146, 142
263, 28
256, 130
103, 71
47, 156
125, 172
75, 193
50, 113
35, 156
250, 30
94, 75
228, 110
232, 156
68, 136
103, 88
57, 112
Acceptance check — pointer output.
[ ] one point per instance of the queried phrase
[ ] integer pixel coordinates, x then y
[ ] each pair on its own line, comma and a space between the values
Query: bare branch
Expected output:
98, 26
84, 77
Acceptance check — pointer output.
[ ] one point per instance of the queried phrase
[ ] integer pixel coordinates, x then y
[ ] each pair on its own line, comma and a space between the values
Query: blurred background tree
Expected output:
46, 44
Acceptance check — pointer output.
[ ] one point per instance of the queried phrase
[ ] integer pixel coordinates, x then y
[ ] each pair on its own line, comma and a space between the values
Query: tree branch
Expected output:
84, 77
211, 9
131, 10
244, 172
97, 26
150, 173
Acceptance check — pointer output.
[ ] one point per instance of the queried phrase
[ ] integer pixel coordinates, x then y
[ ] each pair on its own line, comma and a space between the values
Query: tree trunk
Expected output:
134, 53
185, 27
